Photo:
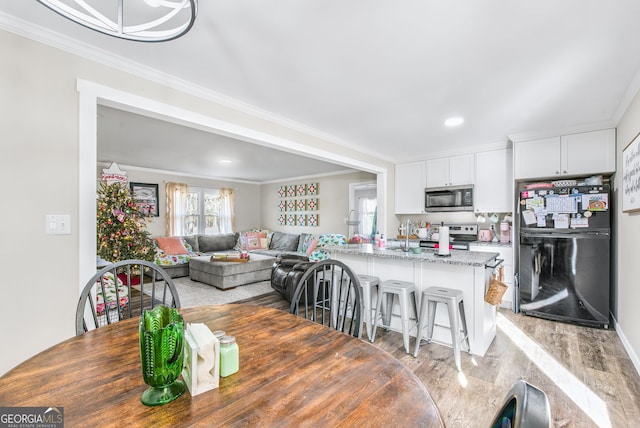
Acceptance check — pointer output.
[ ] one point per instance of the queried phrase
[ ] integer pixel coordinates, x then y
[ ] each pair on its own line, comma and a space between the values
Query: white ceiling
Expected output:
132, 139
382, 76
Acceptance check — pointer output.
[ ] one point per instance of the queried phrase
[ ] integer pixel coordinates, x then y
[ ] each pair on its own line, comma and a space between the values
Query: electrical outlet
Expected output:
58, 224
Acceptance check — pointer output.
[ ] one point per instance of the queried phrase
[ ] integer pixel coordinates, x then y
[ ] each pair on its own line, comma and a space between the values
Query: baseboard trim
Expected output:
627, 345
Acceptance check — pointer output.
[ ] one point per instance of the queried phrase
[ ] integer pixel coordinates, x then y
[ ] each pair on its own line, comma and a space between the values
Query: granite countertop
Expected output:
458, 257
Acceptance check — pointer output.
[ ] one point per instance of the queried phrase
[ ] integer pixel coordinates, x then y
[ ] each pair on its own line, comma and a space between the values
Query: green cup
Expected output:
161, 354
416, 250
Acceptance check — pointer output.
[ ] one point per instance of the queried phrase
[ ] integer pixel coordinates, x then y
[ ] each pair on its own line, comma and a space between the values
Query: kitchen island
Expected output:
467, 271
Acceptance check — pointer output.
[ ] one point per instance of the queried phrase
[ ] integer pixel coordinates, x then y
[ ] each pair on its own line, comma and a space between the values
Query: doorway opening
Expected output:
363, 209
92, 94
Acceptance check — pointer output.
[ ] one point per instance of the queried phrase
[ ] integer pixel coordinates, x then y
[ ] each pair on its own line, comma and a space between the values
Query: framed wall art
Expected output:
631, 176
145, 196
298, 204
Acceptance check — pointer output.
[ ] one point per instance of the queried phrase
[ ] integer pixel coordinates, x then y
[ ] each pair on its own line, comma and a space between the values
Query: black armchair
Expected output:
286, 273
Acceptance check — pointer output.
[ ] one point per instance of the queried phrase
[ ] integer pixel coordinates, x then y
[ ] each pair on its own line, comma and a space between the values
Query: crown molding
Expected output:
179, 174
528, 136
627, 99
311, 177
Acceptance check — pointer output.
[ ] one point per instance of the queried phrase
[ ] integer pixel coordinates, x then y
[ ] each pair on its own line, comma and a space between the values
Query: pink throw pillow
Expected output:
255, 240
312, 246
172, 245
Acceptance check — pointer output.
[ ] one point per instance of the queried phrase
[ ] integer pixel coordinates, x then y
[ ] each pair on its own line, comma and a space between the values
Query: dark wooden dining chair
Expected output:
329, 293
123, 290
525, 406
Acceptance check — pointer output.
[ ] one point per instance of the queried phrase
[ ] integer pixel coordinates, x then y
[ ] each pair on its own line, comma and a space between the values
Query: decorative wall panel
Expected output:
296, 207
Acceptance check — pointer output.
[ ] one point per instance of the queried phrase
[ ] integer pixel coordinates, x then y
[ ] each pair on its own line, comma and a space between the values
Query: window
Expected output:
199, 210
202, 215
366, 212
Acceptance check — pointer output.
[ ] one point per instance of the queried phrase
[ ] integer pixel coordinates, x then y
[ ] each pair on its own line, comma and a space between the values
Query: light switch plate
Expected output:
58, 224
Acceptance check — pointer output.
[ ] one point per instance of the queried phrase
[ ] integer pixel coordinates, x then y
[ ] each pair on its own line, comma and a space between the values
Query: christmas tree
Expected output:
121, 228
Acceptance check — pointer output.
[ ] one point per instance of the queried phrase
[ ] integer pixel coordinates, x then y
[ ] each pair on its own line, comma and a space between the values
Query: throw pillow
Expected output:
312, 246
254, 240
305, 240
172, 245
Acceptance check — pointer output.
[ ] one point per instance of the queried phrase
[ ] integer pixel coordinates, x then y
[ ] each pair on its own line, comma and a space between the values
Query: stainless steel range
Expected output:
460, 236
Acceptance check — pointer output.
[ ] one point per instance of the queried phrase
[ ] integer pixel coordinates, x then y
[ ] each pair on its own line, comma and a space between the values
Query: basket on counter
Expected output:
496, 289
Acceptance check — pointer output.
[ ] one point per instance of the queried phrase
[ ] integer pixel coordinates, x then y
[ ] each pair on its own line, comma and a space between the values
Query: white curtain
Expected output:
227, 217
176, 208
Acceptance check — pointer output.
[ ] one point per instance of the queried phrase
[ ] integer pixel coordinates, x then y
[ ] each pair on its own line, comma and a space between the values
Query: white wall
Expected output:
333, 205
39, 174
627, 250
40, 170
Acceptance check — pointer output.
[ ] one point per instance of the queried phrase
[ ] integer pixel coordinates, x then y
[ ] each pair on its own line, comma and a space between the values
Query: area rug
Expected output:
194, 293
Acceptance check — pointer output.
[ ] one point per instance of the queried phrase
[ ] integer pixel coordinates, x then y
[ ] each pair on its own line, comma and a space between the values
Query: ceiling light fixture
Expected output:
142, 21
454, 121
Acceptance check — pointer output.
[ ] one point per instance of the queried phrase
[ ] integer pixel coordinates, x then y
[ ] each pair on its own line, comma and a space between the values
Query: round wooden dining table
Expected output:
293, 372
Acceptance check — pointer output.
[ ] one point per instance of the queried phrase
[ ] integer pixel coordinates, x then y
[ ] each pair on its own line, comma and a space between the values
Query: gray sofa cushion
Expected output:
284, 241
221, 242
193, 241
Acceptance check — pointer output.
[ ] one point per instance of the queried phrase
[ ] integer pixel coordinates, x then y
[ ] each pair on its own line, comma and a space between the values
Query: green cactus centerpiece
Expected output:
161, 354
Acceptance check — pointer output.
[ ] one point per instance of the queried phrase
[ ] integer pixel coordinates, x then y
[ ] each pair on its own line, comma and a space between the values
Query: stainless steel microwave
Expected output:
449, 198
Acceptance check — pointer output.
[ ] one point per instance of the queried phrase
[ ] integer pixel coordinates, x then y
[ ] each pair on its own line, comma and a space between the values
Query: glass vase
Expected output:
161, 354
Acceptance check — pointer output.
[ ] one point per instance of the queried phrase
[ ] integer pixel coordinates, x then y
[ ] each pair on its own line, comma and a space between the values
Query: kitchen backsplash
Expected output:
451, 218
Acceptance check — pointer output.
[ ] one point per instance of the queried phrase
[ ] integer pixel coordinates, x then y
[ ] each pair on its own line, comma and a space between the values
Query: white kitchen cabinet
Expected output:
410, 183
493, 189
450, 171
568, 155
589, 152
537, 158
506, 254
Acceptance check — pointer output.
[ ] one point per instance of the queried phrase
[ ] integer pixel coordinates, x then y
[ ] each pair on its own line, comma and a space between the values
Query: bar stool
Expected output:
367, 282
455, 306
403, 290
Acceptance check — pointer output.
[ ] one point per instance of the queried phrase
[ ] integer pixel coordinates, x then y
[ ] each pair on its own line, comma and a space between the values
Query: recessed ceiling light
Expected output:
225, 161
454, 121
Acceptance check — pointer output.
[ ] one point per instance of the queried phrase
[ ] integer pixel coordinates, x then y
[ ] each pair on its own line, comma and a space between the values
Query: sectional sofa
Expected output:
174, 258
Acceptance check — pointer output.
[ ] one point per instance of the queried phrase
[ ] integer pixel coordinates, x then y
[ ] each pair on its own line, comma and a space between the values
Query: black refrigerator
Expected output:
564, 252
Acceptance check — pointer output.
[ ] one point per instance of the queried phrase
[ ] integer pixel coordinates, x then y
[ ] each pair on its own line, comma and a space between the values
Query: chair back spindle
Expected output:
329, 293
123, 290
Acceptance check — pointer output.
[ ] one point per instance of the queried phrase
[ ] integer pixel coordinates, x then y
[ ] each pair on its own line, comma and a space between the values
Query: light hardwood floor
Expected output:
586, 373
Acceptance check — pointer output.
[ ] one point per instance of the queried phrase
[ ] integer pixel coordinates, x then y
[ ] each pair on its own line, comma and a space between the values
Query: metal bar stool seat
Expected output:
368, 282
404, 290
455, 307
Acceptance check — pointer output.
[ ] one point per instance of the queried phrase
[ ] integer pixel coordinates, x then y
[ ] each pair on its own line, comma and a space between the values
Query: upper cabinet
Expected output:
450, 171
493, 190
568, 155
410, 184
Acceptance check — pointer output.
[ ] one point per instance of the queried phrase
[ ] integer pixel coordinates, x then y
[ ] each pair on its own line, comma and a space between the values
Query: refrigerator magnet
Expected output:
595, 201
529, 217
